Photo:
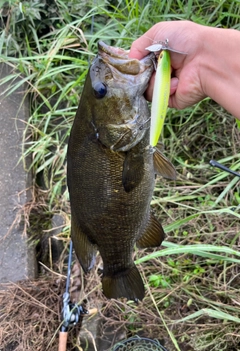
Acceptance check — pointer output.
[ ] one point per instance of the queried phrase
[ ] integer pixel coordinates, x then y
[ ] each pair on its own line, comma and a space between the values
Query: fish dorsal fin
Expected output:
84, 250
162, 166
153, 234
133, 170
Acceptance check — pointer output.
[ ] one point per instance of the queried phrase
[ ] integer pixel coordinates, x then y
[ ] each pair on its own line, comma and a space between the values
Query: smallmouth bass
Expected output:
111, 170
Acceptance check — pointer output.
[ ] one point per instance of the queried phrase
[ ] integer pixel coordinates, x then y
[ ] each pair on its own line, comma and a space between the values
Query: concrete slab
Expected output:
17, 257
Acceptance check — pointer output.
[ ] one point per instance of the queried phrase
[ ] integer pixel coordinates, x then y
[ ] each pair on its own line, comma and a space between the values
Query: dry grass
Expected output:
30, 314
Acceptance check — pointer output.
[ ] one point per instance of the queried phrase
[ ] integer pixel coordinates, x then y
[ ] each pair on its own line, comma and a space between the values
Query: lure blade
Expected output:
160, 98
159, 47
155, 47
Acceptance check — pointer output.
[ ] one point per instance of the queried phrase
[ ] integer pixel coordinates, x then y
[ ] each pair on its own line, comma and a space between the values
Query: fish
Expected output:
111, 170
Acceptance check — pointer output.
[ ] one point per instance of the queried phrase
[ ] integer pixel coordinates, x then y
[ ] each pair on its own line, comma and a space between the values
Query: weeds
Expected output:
192, 283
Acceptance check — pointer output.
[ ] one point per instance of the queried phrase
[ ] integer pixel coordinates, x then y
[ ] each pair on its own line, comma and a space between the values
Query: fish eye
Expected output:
99, 90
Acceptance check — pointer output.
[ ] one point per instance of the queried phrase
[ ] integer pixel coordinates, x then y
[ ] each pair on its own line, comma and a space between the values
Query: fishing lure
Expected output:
160, 98
161, 89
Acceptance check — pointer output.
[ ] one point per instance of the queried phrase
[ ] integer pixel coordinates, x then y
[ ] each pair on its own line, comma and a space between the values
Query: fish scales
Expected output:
111, 172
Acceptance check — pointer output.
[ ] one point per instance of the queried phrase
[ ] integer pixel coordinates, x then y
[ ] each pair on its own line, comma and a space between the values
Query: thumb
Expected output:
138, 50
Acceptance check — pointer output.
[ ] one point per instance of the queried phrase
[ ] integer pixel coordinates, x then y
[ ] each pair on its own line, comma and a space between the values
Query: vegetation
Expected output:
192, 283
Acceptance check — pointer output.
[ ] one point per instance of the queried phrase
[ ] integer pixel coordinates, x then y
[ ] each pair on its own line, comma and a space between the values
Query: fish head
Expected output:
119, 111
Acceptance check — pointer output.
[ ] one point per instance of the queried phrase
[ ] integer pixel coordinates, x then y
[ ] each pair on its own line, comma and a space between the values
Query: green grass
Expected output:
193, 282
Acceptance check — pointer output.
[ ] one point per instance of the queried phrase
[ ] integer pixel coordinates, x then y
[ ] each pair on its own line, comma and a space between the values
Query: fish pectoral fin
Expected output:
133, 171
153, 234
127, 283
163, 166
85, 251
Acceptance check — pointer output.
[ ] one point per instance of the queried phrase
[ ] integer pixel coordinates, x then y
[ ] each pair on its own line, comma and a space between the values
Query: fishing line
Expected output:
91, 31
69, 266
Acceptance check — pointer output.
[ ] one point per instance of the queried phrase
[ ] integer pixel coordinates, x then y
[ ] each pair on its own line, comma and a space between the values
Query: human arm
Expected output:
210, 68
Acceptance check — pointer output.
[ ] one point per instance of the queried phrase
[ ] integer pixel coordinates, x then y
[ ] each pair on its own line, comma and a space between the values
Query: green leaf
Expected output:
210, 313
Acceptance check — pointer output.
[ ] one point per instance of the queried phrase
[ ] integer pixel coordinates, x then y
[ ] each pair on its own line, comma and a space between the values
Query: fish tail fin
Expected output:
127, 283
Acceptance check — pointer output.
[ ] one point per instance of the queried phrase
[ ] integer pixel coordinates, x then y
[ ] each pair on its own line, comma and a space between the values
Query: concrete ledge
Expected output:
17, 257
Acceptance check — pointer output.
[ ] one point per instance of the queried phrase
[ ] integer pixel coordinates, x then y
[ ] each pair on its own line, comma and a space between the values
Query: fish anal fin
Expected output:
133, 170
85, 251
163, 166
127, 283
153, 234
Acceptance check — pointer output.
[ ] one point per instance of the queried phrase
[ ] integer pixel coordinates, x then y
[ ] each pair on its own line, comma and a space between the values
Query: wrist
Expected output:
220, 67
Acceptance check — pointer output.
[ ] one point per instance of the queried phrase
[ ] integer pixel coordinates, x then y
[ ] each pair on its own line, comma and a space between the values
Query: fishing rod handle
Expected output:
62, 346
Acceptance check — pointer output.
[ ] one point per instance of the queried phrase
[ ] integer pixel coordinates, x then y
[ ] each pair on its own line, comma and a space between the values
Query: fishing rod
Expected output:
216, 164
71, 312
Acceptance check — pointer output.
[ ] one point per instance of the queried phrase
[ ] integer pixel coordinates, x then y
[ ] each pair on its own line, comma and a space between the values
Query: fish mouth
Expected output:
112, 51
118, 58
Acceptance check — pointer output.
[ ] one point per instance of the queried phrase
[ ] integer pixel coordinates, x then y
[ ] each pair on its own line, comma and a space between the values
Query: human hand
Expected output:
186, 82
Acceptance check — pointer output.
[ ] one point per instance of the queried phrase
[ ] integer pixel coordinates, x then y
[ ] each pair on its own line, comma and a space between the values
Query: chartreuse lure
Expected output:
160, 97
